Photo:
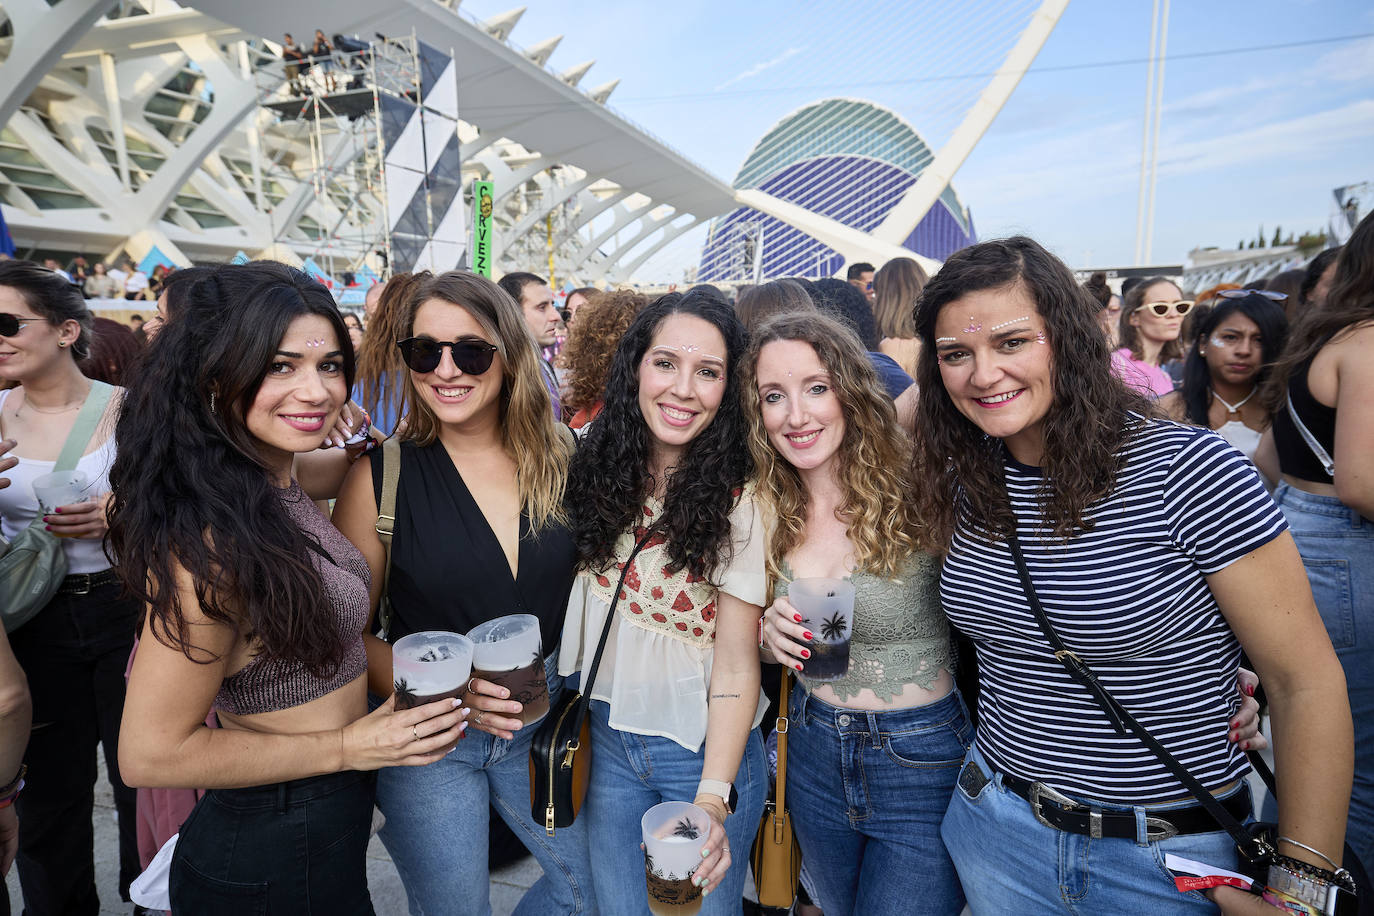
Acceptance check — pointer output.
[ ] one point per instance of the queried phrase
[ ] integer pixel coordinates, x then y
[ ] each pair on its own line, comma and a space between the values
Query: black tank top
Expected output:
448, 571
1295, 457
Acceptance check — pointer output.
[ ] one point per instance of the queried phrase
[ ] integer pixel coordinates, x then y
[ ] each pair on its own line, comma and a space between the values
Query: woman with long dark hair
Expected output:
676, 702
1156, 555
1238, 340
74, 649
1323, 433
479, 533
255, 604
833, 472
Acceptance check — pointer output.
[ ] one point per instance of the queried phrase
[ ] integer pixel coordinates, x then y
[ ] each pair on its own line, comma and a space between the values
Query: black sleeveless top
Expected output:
448, 571
1295, 457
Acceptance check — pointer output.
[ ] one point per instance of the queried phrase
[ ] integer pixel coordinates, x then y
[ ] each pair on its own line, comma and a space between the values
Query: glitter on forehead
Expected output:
950, 339
973, 326
998, 327
315, 343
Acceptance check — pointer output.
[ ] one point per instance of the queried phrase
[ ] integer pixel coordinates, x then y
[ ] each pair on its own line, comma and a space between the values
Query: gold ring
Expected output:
480, 714
415, 730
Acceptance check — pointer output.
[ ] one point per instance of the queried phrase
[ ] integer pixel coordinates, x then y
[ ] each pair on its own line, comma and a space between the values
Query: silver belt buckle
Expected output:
1157, 828
1039, 790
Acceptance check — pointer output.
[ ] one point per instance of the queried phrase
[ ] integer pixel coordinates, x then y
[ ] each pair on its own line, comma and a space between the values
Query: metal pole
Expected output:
371, 69
1154, 141
548, 229
758, 253
1145, 135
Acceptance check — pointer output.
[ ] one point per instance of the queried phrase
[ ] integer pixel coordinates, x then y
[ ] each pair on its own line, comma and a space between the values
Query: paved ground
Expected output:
388, 897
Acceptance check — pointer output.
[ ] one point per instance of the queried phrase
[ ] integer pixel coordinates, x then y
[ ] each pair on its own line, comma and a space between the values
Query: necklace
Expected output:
50, 411
1234, 408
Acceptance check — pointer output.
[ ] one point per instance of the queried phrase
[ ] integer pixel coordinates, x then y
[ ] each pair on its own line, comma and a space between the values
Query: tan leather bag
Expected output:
776, 857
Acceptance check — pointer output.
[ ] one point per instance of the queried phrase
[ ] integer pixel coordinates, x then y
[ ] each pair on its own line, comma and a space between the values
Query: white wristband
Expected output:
717, 787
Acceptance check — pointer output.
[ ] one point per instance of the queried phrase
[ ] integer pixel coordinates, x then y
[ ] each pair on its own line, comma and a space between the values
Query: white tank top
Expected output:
1241, 436
19, 507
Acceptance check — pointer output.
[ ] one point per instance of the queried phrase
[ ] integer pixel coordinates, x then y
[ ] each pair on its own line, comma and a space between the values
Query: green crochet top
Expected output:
901, 635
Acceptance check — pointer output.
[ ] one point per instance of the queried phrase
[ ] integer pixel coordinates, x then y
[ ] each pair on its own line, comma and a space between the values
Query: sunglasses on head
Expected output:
472, 357
11, 325
1181, 307
1242, 293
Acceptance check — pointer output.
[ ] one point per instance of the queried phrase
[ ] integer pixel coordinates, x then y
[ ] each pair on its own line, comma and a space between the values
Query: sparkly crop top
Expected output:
268, 685
901, 635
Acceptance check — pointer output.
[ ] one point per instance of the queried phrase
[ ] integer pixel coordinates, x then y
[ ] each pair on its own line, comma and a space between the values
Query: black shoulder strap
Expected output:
1122, 719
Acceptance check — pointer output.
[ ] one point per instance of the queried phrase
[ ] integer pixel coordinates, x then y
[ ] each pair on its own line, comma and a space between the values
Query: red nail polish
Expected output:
807, 635
799, 667
1249, 690
806, 653
797, 618
58, 510
1245, 745
1235, 736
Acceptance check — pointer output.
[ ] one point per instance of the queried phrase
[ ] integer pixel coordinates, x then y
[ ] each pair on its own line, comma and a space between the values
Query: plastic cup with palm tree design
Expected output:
430, 665
674, 833
508, 651
827, 610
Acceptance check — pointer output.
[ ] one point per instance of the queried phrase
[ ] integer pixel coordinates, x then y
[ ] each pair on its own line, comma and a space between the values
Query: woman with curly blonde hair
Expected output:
833, 474
601, 321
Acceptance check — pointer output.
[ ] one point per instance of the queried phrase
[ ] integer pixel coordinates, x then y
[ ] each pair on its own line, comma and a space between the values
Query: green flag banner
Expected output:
481, 228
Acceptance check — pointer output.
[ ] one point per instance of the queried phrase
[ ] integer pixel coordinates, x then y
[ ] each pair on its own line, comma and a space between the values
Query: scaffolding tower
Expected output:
338, 116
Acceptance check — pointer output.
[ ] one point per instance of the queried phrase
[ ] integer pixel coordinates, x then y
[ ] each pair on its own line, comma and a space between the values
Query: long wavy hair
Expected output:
1349, 302
601, 321
959, 470
529, 432
1129, 335
1267, 315
191, 489
379, 361
610, 475
896, 287
872, 465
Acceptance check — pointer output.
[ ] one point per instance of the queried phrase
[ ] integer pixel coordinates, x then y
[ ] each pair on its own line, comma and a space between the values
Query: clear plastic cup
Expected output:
61, 488
674, 834
429, 666
827, 610
509, 652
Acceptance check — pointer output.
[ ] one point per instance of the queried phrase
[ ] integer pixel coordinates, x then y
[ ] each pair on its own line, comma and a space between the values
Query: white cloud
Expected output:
760, 67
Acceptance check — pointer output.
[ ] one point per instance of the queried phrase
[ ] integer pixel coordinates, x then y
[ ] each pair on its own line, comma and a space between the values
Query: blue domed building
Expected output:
846, 159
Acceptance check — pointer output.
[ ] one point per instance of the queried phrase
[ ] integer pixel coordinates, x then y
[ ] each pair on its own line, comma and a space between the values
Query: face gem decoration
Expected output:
997, 327
319, 342
973, 326
1040, 337
940, 340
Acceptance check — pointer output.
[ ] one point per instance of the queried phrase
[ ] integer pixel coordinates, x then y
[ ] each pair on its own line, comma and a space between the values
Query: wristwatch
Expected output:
721, 789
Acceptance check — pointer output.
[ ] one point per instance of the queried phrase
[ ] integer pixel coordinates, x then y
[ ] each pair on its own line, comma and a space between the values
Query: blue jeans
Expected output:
436, 827
630, 774
290, 847
867, 792
1011, 863
1337, 548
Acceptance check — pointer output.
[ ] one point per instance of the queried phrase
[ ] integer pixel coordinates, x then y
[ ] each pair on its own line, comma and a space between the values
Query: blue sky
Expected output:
1247, 139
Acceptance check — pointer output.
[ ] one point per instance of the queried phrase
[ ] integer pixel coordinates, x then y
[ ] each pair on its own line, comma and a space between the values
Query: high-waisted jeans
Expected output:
292, 847
867, 791
1337, 548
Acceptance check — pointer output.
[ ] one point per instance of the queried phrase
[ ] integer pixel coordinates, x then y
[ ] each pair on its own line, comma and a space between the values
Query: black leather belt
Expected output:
1053, 809
83, 583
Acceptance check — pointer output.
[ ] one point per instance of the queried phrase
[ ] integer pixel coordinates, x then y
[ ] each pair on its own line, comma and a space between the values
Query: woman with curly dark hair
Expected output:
1156, 554
1320, 443
1237, 341
254, 604
833, 474
602, 320
664, 464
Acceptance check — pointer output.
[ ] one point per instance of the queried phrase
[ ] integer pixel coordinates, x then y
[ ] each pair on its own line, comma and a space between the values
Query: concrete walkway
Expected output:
388, 897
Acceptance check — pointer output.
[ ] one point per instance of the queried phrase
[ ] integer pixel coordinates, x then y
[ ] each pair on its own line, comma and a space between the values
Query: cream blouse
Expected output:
656, 670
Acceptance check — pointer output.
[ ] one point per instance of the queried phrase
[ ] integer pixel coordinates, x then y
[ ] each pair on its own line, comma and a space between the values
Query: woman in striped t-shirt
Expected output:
1157, 554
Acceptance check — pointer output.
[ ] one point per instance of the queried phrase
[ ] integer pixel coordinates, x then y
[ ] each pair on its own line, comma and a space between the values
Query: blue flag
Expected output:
240, 258
153, 258
6, 243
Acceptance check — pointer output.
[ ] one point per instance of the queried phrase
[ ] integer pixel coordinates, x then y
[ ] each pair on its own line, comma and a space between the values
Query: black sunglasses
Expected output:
11, 325
472, 357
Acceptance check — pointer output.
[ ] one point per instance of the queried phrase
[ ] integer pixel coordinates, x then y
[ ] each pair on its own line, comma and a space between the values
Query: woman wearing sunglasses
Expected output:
676, 702
75, 648
1238, 339
1150, 322
479, 534
253, 605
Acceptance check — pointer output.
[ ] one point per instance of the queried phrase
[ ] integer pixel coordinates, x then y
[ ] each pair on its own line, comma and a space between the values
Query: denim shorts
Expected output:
1009, 862
867, 791
292, 847
1337, 548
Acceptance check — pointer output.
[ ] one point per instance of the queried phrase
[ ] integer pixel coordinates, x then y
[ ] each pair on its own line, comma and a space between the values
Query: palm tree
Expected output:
834, 627
405, 697
686, 829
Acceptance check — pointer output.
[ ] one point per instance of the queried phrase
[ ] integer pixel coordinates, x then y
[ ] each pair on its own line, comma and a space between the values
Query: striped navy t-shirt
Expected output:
1131, 598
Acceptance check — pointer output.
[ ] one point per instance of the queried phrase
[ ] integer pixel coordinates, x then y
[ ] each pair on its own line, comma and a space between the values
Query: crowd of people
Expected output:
1015, 473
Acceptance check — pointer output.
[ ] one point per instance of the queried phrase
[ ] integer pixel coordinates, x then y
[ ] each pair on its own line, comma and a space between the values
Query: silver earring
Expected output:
212, 402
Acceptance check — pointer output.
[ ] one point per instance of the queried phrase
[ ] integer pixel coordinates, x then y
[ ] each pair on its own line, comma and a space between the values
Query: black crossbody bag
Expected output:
561, 752
1254, 844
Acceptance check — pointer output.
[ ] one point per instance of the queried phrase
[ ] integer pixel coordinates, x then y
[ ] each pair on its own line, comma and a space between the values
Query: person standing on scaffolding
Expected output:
322, 55
295, 63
